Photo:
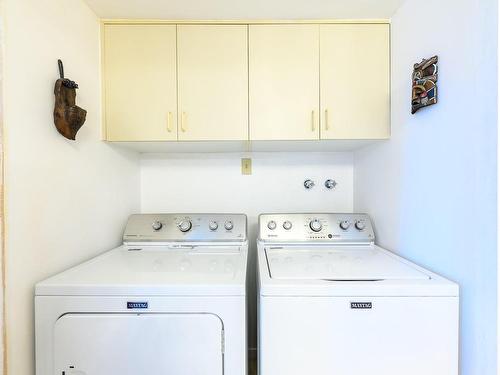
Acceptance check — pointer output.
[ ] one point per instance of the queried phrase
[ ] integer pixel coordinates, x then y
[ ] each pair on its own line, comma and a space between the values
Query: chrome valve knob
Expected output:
309, 184
157, 225
360, 225
330, 184
185, 225
228, 225
287, 225
271, 225
315, 225
344, 224
213, 225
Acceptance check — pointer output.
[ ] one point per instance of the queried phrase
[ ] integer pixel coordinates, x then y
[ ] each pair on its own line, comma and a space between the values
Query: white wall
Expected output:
214, 183
66, 201
431, 189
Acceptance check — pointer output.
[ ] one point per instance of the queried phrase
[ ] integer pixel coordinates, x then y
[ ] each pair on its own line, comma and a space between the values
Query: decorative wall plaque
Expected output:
424, 89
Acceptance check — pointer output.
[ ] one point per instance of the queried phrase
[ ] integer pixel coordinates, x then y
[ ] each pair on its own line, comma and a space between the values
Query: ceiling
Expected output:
245, 9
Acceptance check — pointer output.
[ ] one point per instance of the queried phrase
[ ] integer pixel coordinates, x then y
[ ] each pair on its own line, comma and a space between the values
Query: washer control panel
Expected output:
186, 228
320, 227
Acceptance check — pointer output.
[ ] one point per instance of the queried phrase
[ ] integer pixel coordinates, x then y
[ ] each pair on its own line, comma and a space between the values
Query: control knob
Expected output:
228, 225
185, 225
287, 225
360, 225
315, 225
157, 225
213, 225
271, 225
344, 224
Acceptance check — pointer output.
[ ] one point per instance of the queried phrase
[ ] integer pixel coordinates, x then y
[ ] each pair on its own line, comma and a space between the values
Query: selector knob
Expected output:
344, 224
157, 225
287, 225
360, 225
271, 225
213, 225
185, 225
315, 225
228, 225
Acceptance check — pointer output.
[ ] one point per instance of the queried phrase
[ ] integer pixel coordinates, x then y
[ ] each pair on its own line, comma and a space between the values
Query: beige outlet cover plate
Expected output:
246, 166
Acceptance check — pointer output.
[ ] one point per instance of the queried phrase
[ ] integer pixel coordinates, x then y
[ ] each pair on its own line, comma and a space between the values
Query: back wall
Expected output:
214, 183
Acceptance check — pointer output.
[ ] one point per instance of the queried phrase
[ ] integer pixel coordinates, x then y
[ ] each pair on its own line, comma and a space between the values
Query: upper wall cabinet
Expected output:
355, 76
239, 82
140, 85
284, 82
212, 82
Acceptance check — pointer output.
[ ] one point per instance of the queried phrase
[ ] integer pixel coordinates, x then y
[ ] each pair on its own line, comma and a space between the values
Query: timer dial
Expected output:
315, 225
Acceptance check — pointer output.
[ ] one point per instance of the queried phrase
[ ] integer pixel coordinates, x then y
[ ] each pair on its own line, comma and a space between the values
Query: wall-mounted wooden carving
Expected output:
68, 117
424, 90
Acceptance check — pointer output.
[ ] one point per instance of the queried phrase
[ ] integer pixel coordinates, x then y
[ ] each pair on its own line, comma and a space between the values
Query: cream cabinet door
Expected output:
355, 81
212, 82
140, 85
284, 82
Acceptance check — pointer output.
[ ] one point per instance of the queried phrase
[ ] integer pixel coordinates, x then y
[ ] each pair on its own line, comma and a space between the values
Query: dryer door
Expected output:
131, 344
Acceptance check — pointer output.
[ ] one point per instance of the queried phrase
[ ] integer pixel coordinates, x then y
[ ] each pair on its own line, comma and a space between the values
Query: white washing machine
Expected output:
170, 300
331, 302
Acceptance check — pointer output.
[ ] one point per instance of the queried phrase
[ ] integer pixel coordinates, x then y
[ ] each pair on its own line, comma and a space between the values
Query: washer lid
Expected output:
338, 264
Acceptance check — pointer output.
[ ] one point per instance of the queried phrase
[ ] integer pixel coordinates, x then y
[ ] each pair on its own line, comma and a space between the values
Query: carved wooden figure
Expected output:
68, 117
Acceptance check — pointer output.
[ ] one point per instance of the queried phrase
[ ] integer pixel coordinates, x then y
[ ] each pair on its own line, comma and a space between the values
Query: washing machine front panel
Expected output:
358, 335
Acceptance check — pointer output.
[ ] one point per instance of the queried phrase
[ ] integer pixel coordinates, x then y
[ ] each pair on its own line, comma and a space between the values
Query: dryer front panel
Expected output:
131, 344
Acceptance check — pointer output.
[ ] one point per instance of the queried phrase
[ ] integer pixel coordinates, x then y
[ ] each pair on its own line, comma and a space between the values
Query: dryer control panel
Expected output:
186, 228
316, 227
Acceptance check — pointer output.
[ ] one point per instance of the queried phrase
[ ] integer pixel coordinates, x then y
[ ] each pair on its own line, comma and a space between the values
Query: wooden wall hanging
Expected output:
68, 117
424, 89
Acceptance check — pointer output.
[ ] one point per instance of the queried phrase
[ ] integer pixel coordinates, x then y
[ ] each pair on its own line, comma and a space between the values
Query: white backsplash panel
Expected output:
214, 183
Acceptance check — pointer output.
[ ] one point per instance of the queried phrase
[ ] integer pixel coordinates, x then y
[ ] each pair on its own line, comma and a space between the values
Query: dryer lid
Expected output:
155, 270
348, 263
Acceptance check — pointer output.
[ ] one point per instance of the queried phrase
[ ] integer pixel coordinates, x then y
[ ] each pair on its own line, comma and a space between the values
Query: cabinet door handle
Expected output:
183, 122
327, 127
313, 123
169, 122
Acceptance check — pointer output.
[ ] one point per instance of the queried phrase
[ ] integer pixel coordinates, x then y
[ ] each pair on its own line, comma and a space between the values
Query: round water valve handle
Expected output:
309, 184
185, 225
157, 225
330, 184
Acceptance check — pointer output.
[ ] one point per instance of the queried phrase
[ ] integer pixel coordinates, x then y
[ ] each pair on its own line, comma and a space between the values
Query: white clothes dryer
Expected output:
170, 300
